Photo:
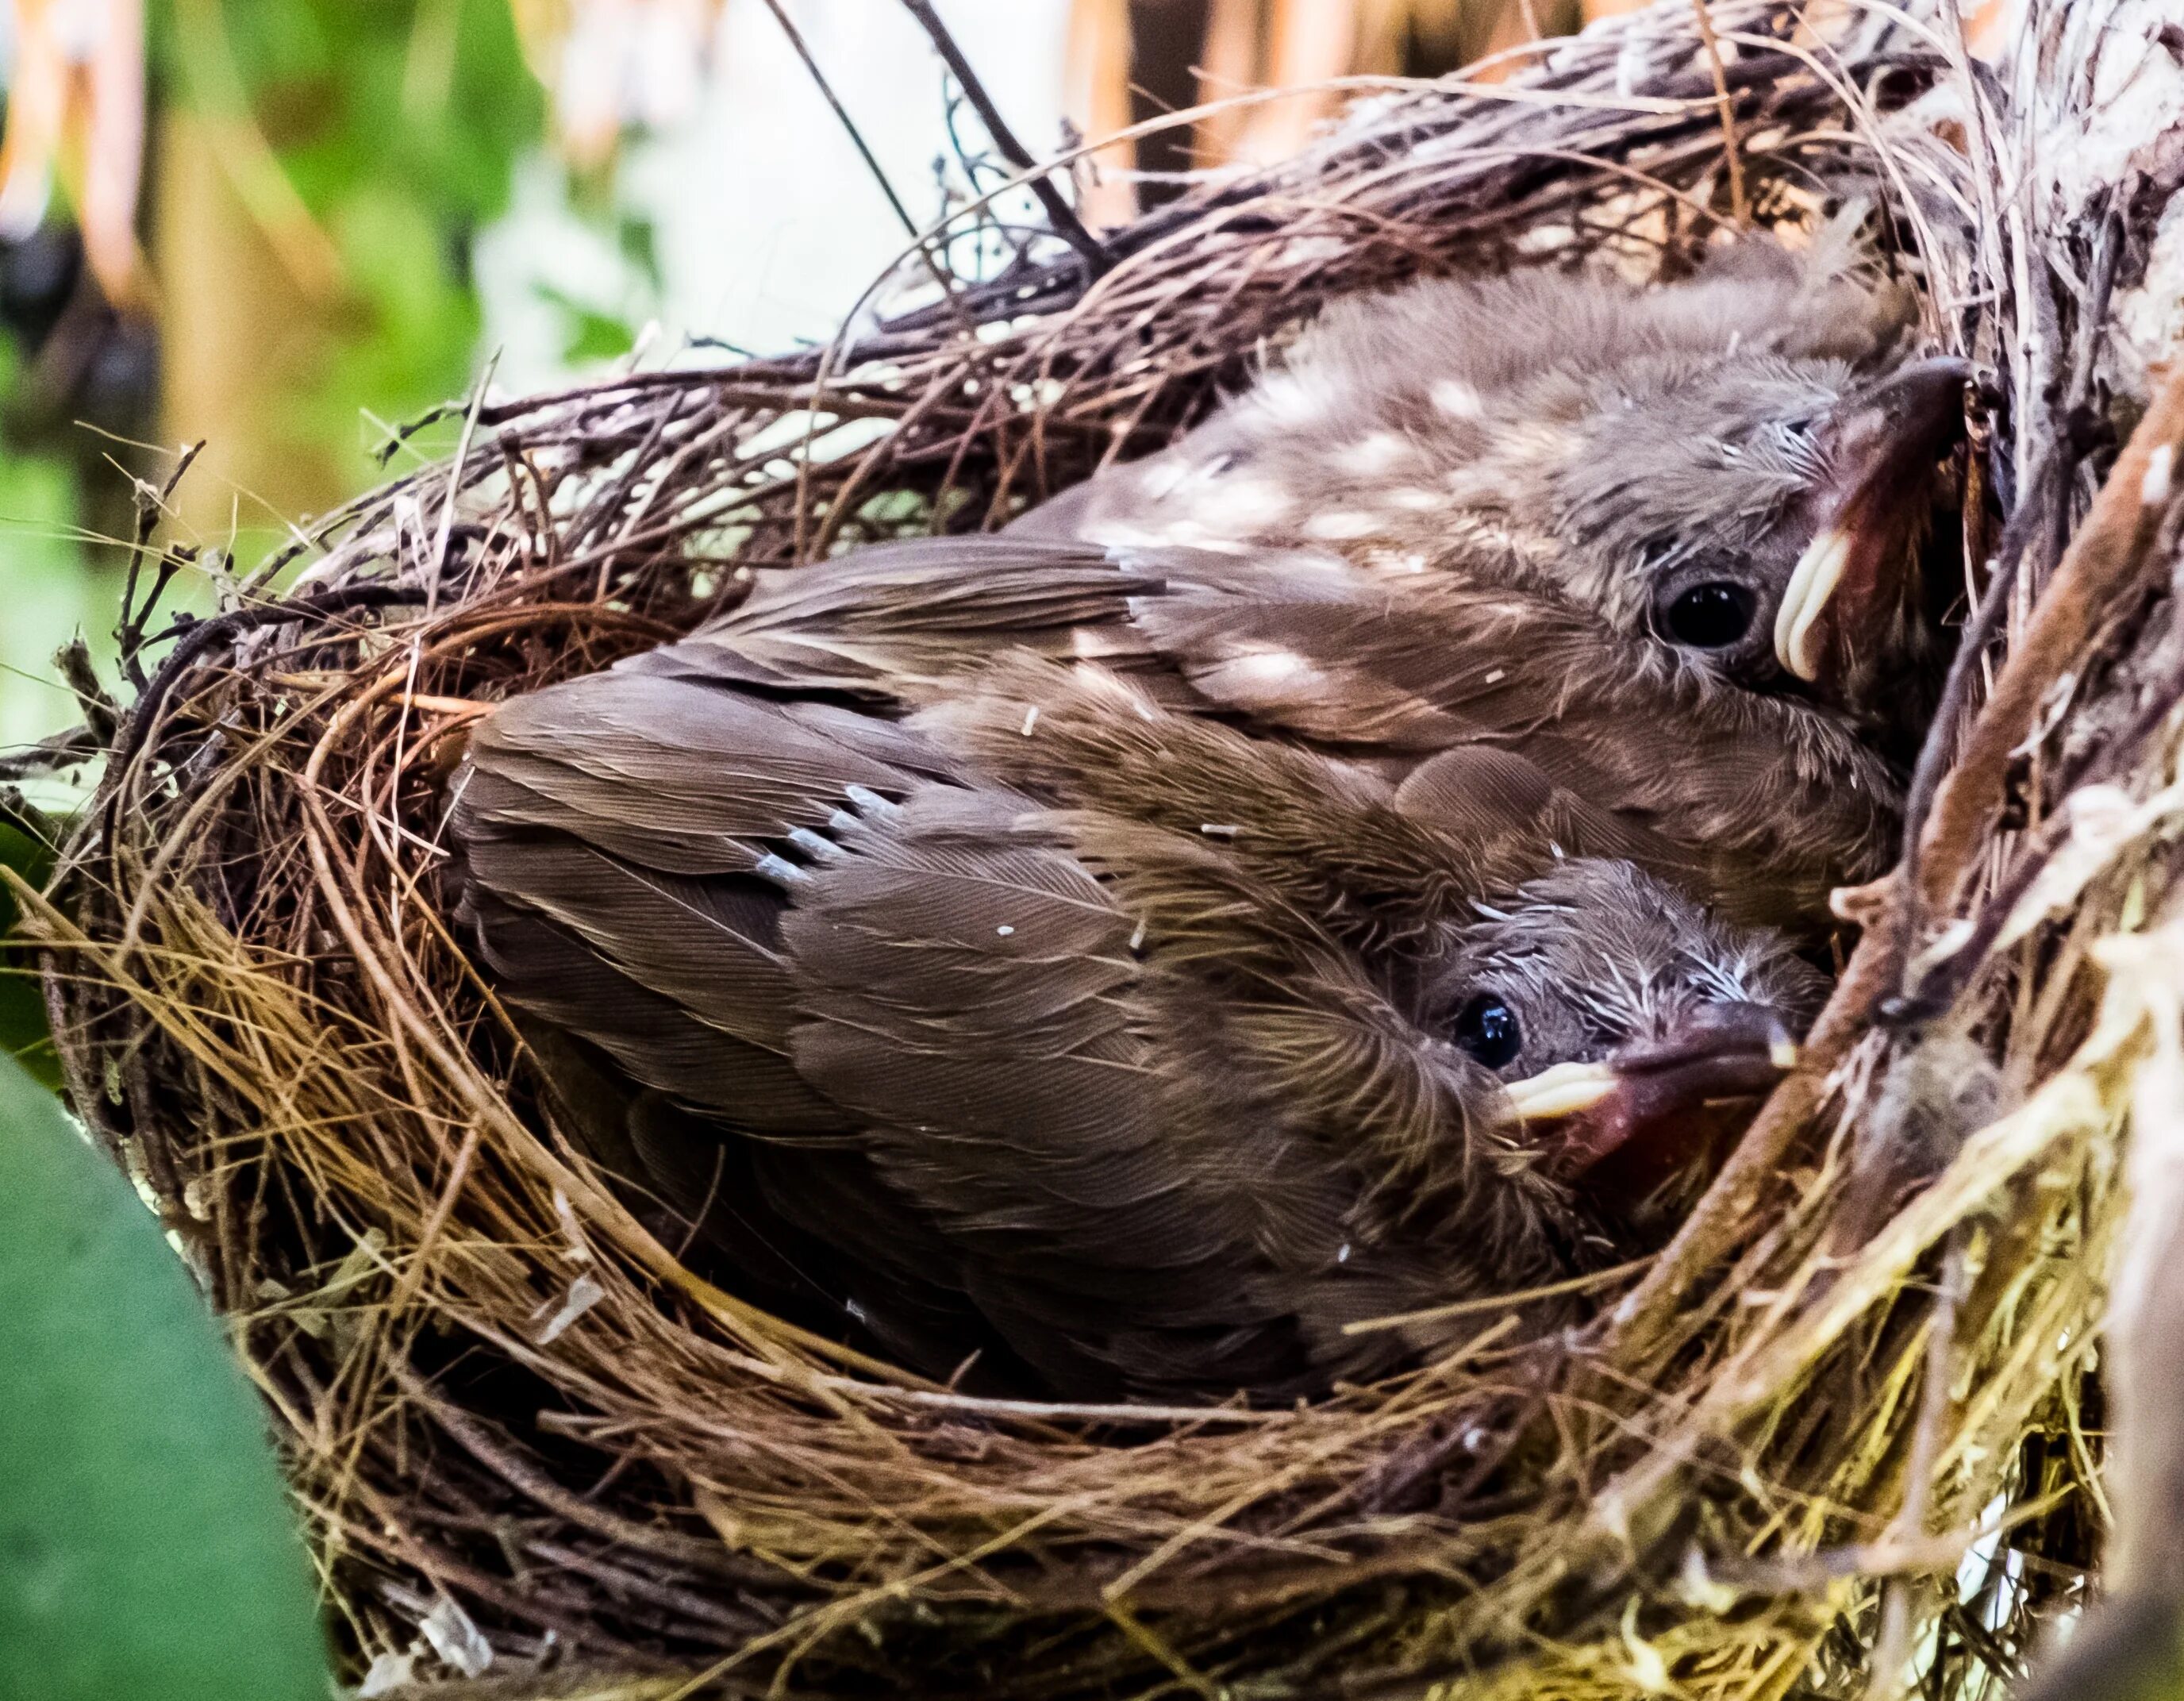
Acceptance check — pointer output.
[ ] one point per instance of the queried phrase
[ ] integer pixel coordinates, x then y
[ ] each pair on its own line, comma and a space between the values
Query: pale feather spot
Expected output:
1457, 399
1236, 502
1287, 400
1372, 454
1341, 526
1396, 560
1181, 533
1416, 500
1268, 665
2154, 488
1158, 482
1544, 443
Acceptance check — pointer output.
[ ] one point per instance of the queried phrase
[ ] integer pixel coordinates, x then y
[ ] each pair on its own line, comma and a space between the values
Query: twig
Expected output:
445, 531
1891, 1647
2101, 562
1066, 225
1946, 977
1910, 910
200, 636
842, 115
2043, 487
77, 745
101, 713
150, 505
1739, 208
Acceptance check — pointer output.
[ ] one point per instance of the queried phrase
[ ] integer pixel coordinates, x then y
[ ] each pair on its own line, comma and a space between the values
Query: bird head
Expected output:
1629, 1031
1765, 518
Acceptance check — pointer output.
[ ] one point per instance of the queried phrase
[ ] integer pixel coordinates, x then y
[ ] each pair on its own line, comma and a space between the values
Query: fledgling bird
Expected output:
1739, 467
1663, 547
1113, 1049
1440, 685
1733, 477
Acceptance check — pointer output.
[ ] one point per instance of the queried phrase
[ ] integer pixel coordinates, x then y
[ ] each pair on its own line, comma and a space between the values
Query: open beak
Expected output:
1653, 1109
1887, 440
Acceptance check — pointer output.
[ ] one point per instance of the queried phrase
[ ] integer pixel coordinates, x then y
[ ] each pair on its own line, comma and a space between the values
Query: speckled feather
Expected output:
958, 1056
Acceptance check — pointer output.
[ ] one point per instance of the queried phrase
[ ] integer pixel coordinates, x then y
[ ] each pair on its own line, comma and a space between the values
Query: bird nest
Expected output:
1846, 1420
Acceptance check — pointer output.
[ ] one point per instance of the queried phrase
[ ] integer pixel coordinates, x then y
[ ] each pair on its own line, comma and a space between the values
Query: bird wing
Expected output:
1286, 641
883, 1034
1622, 749
888, 616
618, 873
1756, 804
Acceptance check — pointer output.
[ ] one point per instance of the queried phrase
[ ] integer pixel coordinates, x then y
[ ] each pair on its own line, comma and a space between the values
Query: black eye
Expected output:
1488, 1029
1712, 616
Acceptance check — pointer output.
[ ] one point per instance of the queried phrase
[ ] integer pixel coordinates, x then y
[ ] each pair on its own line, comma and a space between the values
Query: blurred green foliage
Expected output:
23, 1032
398, 123
51, 591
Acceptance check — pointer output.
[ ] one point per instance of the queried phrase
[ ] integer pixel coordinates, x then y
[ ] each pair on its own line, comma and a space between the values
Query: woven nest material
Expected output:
1835, 1415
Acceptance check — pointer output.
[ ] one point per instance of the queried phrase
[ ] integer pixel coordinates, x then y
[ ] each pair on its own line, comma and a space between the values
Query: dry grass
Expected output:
1839, 1411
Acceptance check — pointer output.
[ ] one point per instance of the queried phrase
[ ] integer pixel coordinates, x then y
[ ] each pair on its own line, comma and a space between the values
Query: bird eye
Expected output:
1712, 615
1487, 1029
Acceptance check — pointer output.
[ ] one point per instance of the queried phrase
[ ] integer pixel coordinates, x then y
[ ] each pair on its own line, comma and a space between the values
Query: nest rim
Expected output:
181, 954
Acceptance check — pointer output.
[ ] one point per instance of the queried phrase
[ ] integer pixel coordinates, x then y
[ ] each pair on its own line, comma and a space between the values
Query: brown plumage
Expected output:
1749, 801
1128, 1053
1728, 480
1226, 907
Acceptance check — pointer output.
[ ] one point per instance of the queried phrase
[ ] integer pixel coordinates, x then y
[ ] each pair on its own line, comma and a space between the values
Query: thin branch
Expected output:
2104, 560
1066, 225
201, 636
151, 504
71, 749
1739, 208
841, 114
1979, 632
101, 713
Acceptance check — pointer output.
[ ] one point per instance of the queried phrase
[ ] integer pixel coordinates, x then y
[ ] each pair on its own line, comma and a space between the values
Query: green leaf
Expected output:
23, 1031
588, 335
147, 1549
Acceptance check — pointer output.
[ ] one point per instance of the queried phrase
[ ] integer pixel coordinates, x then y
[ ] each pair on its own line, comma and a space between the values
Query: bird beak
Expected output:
1887, 442
1654, 1106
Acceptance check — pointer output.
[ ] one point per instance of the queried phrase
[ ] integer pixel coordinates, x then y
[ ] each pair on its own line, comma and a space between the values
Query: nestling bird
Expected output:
1111, 1049
1228, 908
1670, 458
1748, 800
1733, 475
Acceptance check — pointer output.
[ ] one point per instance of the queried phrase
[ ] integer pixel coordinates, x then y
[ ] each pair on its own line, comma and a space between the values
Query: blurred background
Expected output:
285, 227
